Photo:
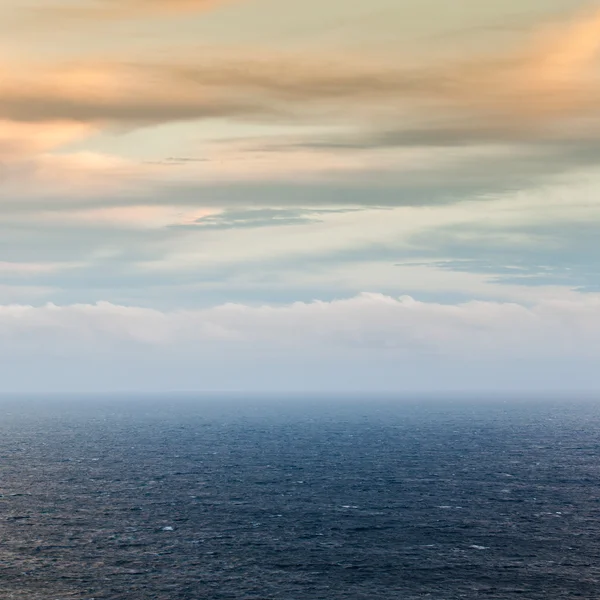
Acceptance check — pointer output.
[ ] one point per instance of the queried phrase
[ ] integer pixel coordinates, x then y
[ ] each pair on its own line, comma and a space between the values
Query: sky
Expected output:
267, 195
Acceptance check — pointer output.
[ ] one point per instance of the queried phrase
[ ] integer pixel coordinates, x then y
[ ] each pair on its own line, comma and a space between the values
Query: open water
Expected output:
361, 498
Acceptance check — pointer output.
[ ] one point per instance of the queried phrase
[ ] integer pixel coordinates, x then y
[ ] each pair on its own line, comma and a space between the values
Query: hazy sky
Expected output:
271, 194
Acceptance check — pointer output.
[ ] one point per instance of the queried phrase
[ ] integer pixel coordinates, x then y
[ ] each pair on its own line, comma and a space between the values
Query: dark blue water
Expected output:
291, 499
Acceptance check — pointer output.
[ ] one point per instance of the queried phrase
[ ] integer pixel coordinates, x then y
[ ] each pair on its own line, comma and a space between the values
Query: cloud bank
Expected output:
529, 89
369, 342
551, 328
431, 129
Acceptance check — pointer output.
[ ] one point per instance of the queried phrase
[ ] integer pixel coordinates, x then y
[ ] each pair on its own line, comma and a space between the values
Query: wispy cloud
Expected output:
533, 91
94, 11
261, 217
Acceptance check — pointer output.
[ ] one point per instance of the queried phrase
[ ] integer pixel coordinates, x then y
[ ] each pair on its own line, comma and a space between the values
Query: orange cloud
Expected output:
550, 79
568, 53
125, 9
542, 85
23, 139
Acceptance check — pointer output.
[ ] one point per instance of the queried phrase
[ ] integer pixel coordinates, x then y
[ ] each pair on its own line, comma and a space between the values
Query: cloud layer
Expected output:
99, 10
403, 326
526, 90
508, 119
370, 342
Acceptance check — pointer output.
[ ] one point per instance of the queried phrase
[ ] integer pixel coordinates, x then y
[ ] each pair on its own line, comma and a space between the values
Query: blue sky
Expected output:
261, 194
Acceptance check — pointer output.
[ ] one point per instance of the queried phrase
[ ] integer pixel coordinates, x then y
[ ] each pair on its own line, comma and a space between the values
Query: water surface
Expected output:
184, 498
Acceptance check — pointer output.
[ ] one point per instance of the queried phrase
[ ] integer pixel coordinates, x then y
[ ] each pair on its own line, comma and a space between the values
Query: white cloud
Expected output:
369, 342
32, 268
551, 328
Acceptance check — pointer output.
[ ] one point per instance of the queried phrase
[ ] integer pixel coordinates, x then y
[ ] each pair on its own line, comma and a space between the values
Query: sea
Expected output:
285, 497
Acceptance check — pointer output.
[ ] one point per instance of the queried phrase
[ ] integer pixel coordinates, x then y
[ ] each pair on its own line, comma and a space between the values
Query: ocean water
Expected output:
214, 498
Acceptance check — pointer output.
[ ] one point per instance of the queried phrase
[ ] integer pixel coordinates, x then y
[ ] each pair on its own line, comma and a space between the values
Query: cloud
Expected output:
534, 87
69, 178
109, 94
368, 342
497, 122
403, 326
101, 10
528, 254
261, 217
528, 90
19, 139
28, 269
128, 217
